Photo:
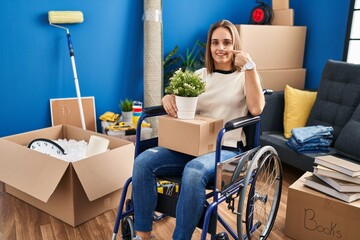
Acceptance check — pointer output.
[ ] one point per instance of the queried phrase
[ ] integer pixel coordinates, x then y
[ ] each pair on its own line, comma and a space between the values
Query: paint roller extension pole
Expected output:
69, 17
72, 57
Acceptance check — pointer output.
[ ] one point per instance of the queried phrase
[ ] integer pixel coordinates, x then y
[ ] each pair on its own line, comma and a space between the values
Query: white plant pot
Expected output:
127, 117
186, 107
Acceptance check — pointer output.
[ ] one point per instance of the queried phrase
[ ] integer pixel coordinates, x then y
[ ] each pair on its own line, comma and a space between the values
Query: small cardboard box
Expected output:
280, 4
283, 17
274, 47
194, 137
313, 215
72, 192
278, 79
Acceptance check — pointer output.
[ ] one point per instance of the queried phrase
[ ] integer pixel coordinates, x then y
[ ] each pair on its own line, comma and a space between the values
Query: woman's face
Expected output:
221, 40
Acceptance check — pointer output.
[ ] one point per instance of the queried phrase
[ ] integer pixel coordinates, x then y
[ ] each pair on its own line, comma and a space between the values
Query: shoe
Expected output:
139, 238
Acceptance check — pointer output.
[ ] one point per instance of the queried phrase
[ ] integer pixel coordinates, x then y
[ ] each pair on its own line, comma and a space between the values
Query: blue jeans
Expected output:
196, 174
304, 134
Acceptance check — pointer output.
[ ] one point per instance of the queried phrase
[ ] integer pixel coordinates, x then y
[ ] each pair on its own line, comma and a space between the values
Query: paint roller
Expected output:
70, 17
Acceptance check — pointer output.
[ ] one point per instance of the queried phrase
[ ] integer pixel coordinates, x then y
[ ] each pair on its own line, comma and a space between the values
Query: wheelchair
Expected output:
249, 183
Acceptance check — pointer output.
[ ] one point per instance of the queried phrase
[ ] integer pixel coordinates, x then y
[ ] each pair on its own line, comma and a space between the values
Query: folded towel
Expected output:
309, 133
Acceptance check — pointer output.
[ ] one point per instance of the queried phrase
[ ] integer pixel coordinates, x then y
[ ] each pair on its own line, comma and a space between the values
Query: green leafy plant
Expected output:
193, 60
185, 84
126, 105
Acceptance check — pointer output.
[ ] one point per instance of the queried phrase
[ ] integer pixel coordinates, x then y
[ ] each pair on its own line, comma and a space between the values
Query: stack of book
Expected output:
336, 177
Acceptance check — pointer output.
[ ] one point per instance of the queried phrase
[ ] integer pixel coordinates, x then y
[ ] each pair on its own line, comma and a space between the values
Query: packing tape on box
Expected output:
152, 15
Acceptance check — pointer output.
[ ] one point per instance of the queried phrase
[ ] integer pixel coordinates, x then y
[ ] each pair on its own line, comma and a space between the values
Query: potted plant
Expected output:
186, 86
126, 110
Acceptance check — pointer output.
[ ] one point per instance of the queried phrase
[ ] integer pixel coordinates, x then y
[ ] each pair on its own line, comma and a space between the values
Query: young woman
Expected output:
233, 89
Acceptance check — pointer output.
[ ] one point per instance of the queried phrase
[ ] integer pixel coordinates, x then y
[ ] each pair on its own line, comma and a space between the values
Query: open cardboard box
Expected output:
72, 192
313, 215
194, 137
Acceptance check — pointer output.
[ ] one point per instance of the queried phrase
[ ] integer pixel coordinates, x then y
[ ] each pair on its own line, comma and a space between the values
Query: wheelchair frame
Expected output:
257, 160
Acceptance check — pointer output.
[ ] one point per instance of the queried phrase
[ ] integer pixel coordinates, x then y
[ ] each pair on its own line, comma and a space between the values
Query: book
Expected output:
339, 185
342, 165
327, 172
319, 185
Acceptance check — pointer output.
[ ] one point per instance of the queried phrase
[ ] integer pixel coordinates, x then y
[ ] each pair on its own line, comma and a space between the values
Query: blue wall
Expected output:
326, 22
35, 64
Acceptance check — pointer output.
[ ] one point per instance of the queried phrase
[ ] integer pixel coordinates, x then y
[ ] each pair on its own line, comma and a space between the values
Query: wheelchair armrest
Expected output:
154, 111
142, 145
159, 110
267, 91
241, 122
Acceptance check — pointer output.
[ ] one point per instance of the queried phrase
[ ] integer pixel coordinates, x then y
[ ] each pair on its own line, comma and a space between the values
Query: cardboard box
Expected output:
65, 111
313, 215
278, 79
283, 17
274, 47
280, 4
72, 192
194, 137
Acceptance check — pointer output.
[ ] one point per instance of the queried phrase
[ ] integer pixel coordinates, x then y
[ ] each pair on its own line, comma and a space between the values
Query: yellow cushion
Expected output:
298, 104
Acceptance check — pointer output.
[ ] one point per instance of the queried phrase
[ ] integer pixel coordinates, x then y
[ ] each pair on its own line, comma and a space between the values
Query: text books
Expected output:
317, 184
341, 165
339, 185
330, 173
337, 177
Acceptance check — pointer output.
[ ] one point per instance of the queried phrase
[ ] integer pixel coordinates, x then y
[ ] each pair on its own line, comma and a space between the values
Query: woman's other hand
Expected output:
169, 104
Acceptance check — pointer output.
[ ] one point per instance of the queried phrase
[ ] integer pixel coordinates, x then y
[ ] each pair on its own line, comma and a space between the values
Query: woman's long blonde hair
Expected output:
209, 61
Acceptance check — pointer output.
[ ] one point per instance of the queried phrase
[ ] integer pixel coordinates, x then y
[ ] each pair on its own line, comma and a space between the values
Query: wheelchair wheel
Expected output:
260, 196
127, 228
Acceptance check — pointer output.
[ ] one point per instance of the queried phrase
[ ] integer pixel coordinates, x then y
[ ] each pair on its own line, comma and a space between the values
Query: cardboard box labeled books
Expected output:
314, 215
274, 47
194, 137
72, 192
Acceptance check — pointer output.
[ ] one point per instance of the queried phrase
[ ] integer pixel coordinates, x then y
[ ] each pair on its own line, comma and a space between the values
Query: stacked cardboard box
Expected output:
280, 4
283, 15
277, 50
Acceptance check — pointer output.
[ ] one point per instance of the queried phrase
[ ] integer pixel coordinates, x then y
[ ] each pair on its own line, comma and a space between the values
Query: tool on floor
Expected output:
70, 17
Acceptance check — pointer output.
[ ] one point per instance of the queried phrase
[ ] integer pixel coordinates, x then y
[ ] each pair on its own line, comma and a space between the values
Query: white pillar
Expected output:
153, 53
